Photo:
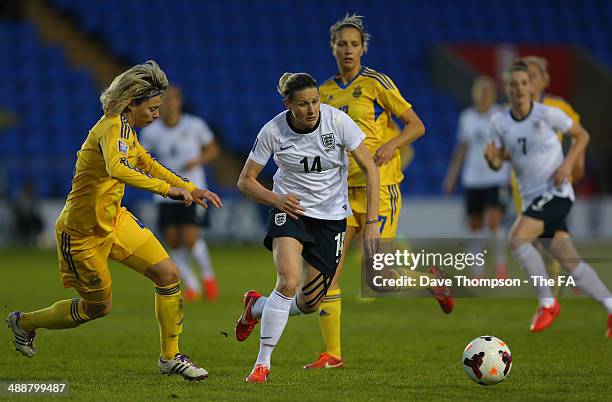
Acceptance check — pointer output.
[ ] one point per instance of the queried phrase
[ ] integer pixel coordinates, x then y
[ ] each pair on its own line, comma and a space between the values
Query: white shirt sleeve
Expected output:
147, 139
496, 133
349, 131
462, 132
559, 119
263, 148
205, 134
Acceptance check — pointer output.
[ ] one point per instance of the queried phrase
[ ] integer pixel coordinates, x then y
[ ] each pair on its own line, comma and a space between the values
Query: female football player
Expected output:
526, 135
309, 206
484, 188
184, 143
540, 80
93, 226
370, 98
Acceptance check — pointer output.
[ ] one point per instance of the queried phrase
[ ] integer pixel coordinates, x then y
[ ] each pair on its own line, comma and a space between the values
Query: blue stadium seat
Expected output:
228, 62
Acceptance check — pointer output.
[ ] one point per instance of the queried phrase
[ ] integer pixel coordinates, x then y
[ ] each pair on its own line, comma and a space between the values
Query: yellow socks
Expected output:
329, 319
169, 313
62, 314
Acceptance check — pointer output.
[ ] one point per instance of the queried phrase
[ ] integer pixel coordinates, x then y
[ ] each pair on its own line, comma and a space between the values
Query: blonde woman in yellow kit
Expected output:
93, 227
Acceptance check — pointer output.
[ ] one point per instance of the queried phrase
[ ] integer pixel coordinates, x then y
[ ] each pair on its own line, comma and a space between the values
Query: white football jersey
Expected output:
177, 145
475, 131
535, 149
314, 165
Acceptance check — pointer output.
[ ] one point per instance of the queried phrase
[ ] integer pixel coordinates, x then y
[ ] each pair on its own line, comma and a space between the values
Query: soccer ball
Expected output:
487, 360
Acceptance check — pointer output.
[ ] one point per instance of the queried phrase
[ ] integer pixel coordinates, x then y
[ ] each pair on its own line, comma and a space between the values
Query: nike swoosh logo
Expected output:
327, 365
282, 149
265, 337
243, 319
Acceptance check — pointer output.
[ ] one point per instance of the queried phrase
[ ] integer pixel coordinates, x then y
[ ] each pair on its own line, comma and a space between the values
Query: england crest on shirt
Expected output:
328, 140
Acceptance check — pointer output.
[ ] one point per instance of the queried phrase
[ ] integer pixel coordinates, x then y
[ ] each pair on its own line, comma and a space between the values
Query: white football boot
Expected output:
182, 365
23, 340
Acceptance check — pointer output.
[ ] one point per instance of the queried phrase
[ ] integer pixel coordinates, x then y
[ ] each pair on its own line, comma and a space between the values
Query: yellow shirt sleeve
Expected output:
115, 152
563, 105
391, 99
569, 110
153, 167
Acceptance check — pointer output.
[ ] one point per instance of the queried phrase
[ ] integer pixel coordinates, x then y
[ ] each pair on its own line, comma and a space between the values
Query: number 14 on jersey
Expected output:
315, 167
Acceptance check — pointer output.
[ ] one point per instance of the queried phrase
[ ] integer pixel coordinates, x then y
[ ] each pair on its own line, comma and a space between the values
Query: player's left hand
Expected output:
384, 154
371, 239
180, 194
562, 174
200, 196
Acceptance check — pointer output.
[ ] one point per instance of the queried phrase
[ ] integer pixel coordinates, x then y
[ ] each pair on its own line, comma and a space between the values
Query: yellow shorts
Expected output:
83, 260
390, 205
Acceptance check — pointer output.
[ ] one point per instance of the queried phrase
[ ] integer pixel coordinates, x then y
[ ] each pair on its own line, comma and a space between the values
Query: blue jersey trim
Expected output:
383, 77
378, 110
350, 82
377, 78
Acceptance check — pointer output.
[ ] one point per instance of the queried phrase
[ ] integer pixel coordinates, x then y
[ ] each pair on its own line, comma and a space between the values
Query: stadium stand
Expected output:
230, 54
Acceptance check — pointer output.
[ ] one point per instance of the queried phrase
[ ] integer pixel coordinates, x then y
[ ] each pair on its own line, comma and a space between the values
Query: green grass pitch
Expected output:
394, 349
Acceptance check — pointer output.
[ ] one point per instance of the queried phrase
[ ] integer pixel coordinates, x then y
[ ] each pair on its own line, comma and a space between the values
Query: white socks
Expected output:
533, 264
273, 321
587, 279
474, 246
201, 255
258, 307
500, 246
181, 259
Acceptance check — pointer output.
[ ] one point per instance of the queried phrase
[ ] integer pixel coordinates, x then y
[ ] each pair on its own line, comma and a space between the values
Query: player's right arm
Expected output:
115, 154
454, 167
494, 156
495, 151
352, 139
252, 188
392, 101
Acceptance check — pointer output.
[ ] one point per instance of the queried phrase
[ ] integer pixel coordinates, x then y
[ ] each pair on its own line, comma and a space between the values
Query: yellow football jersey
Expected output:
111, 157
370, 99
553, 101
558, 102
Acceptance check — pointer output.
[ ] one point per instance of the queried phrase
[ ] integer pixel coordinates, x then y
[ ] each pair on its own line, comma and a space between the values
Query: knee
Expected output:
475, 222
189, 238
570, 265
164, 273
189, 243
98, 310
309, 309
514, 240
173, 243
287, 286
172, 239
